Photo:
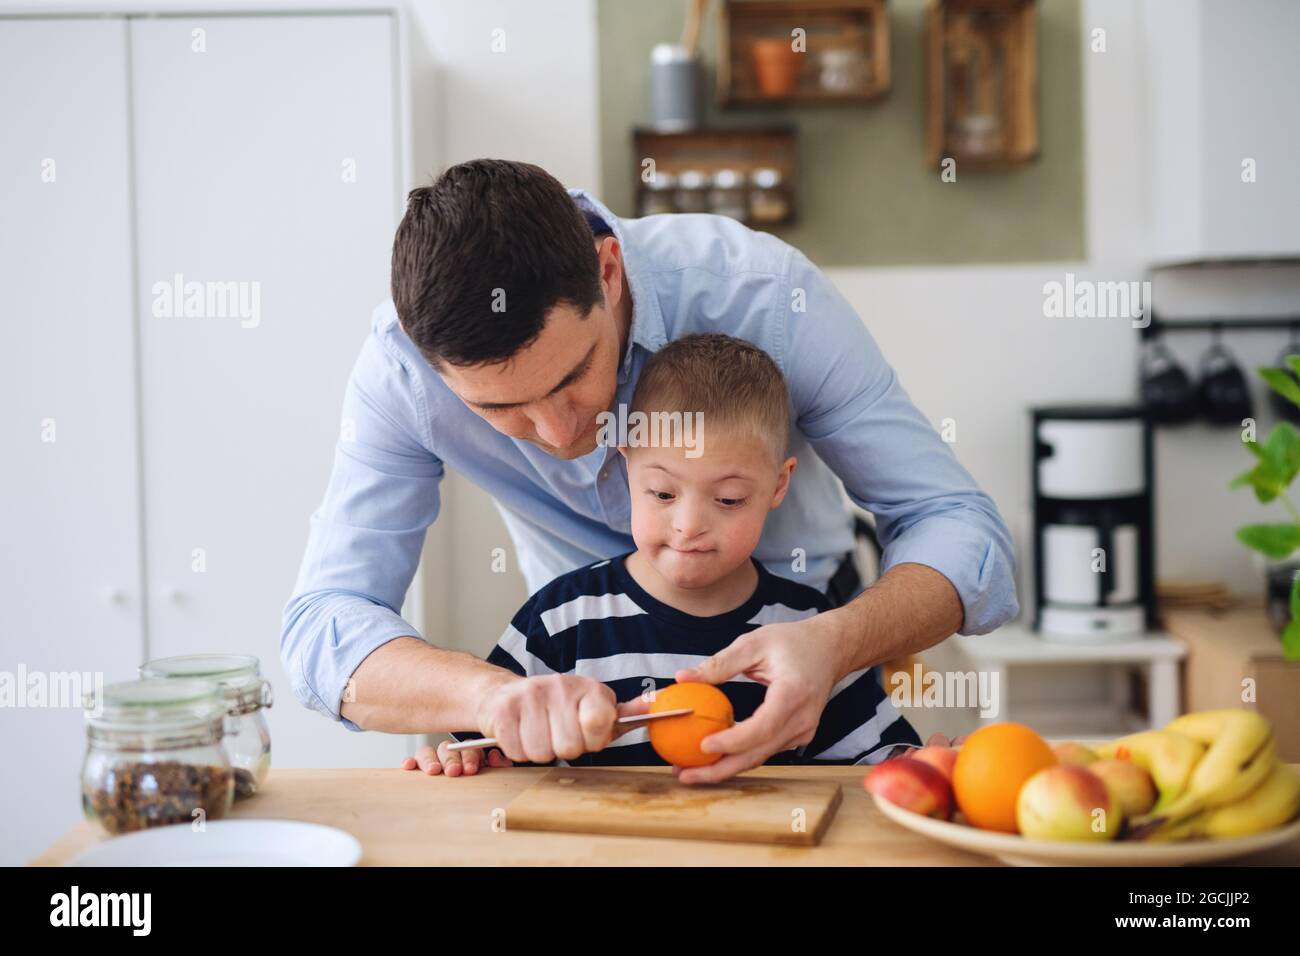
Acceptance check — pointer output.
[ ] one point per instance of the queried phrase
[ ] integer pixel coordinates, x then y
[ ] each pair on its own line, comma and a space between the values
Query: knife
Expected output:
633, 719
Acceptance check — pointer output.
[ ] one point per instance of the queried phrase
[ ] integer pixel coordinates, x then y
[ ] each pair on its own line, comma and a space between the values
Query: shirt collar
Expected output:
647, 321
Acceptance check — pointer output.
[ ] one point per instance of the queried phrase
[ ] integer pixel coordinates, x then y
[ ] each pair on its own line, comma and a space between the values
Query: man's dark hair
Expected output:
490, 233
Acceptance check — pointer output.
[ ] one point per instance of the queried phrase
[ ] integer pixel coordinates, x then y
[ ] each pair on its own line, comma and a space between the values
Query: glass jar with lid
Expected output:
727, 197
247, 738
154, 755
657, 198
692, 191
845, 70
768, 202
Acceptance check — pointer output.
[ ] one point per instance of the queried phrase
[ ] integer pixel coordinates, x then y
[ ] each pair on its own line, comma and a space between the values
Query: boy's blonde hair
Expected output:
736, 386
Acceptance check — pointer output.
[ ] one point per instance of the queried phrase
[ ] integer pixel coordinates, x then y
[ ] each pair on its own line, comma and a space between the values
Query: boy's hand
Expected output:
454, 763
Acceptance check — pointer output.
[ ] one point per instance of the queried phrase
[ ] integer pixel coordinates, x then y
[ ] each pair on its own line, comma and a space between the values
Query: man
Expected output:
520, 312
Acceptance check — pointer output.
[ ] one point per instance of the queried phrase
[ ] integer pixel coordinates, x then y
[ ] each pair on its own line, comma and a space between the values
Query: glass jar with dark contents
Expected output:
154, 755
692, 191
657, 197
247, 738
727, 197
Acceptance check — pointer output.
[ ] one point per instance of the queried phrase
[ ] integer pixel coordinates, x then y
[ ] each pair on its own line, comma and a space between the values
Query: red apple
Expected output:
940, 758
913, 785
1067, 803
1074, 754
1130, 785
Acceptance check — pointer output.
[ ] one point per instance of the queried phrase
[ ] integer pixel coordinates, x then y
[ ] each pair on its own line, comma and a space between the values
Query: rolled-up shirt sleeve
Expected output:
365, 538
852, 409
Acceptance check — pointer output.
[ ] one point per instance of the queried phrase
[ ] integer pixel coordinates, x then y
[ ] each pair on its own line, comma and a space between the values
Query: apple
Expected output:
913, 785
941, 758
1130, 786
1067, 803
1074, 755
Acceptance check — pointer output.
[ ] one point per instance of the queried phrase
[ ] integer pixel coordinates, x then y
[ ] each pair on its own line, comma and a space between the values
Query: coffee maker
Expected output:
1093, 518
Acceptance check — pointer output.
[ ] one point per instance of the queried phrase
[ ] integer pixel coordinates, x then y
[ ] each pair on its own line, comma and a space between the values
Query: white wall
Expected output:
535, 100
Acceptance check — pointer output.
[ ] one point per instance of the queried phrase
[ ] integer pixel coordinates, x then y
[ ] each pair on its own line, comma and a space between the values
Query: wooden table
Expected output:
406, 818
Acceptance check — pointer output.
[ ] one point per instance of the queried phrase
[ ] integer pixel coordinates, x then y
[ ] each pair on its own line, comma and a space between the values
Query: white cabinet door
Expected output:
267, 192
70, 551
1221, 128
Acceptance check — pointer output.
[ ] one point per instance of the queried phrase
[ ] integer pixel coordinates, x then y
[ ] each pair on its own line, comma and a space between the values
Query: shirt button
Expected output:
604, 473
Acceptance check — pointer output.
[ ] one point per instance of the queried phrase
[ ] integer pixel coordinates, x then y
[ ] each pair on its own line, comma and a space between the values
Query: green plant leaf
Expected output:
1291, 641
1273, 540
1262, 478
1282, 382
1282, 453
1283, 438
1294, 362
1279, 462
1266, 493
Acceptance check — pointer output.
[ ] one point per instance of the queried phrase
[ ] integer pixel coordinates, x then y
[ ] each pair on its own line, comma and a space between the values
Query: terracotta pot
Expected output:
776, 65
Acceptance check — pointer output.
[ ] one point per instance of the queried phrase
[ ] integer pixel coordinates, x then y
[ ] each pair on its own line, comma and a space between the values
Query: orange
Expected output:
677, 739
992, 765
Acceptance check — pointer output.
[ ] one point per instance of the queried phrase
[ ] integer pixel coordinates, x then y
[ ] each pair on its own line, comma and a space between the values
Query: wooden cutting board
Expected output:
746, 809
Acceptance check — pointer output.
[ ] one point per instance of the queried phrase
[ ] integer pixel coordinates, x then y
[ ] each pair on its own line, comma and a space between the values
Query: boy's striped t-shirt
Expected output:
598, 622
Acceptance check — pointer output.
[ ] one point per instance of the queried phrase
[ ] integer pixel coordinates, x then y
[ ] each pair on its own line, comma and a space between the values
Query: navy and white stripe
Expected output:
598, 622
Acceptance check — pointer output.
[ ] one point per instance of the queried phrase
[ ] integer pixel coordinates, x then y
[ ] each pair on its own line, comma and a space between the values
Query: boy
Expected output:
692, 587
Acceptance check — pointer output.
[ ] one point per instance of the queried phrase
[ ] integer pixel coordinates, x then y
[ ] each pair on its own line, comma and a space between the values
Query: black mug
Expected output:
1222, 392
1167, 390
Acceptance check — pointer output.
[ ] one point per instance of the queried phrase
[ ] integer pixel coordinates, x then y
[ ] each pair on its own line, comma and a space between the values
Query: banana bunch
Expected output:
1216, 774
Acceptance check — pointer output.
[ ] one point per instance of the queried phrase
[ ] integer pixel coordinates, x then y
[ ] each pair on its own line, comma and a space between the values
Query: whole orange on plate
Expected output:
677, 739
992, 765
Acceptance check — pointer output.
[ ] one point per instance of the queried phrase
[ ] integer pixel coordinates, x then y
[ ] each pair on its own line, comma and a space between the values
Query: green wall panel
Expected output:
866, 197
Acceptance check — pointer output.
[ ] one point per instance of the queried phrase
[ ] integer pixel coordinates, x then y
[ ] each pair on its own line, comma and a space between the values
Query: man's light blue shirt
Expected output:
687, 273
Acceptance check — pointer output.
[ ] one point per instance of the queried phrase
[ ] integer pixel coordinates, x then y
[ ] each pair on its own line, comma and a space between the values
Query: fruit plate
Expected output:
1019, 851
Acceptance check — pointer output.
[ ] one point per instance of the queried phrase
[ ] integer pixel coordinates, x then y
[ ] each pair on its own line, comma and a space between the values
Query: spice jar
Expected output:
844, 71
247, 738
727, 197
692, 191
767, 199
154, 755
658, 195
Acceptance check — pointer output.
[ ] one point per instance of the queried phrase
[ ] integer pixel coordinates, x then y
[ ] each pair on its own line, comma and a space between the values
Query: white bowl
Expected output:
227, 843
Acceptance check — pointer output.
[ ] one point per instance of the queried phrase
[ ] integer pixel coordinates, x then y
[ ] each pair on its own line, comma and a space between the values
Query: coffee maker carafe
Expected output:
1093, 548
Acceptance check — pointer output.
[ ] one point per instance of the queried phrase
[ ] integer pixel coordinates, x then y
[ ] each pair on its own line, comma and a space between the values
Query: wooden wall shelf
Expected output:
845, 60
981, 78
762, 160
